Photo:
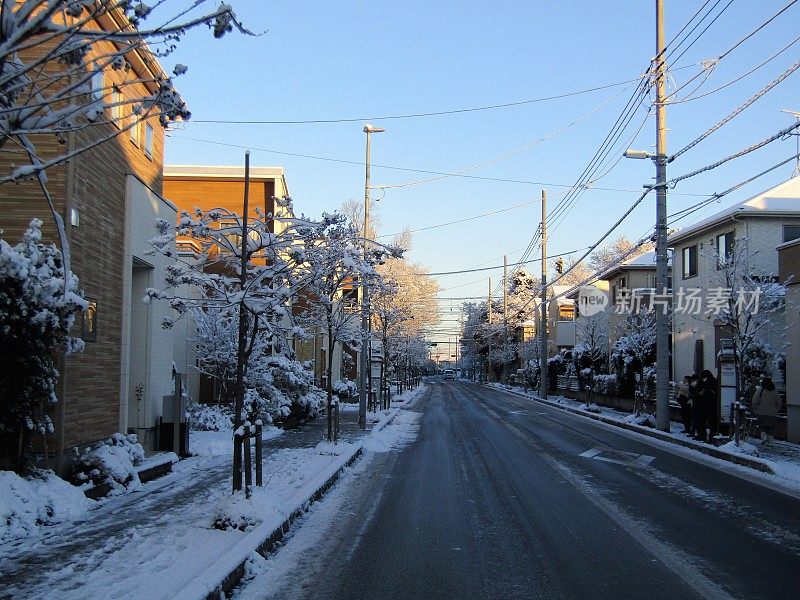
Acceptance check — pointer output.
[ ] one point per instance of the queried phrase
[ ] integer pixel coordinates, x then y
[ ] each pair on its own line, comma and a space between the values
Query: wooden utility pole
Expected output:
505, 319
489, 315
662, 318
240, 350
543, 308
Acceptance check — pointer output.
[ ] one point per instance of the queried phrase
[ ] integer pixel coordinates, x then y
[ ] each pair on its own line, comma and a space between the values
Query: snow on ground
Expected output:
218, 443
156, 542
45, 499
782, 457
265, 577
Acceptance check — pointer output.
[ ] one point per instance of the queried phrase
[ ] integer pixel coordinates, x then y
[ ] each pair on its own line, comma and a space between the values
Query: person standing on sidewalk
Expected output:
766, 404
686, 405
708, 384
698, 410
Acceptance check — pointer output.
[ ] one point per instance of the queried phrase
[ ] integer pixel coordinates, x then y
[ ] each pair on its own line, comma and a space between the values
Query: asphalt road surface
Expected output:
501, 497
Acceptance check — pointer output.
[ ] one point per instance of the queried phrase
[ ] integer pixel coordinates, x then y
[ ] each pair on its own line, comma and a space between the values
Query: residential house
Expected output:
209, 187
108, 197
748, 232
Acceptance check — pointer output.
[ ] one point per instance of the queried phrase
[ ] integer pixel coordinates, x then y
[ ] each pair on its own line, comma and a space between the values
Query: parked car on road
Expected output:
449, 374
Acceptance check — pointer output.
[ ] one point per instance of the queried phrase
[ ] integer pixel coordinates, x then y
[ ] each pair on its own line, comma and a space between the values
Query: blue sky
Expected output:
360, 59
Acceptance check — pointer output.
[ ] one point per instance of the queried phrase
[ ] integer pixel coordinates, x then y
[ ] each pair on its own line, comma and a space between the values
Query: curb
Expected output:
228, 571
744, 461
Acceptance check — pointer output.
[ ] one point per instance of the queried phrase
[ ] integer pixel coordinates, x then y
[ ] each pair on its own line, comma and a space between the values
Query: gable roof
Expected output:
783, 200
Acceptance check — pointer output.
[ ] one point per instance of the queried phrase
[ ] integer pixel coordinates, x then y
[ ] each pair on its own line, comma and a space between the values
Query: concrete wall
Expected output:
147, 351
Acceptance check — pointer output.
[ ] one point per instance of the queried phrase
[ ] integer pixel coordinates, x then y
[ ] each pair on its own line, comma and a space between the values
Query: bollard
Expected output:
259, 455
248, 474
336, 423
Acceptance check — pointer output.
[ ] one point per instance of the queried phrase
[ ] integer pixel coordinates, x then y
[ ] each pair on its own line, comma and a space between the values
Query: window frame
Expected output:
148, 144
728, 241
686, 265
788, 226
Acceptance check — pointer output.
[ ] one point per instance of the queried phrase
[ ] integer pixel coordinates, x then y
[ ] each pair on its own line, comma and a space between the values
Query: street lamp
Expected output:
365, 346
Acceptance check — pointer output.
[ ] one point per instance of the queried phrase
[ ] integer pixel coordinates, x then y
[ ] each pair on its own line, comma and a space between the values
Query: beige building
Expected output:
759, 224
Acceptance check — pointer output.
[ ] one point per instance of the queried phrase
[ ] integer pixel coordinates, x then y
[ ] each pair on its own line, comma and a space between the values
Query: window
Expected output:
689, 261
148, 140
566, 312
791, 232
116, 107
97, 85
134, 130
724, 248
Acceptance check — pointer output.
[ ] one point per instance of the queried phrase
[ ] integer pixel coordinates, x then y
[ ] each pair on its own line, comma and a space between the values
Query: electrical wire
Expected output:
477, 270
419, 115
691, 98
682, 214
739, 110
523, 148
782, 133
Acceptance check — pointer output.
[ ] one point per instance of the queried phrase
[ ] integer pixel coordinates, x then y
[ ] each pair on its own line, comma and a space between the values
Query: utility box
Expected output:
726, 376
166, 430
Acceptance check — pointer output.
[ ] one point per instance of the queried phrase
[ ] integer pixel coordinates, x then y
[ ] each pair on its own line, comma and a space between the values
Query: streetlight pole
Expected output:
365, 354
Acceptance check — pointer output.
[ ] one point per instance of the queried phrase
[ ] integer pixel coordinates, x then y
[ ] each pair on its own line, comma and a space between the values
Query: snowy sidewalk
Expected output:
154, 542
779, 458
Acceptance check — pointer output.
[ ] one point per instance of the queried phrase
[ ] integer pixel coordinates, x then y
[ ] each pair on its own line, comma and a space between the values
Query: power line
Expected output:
748, 150
527, 146
498, 266
397, 168
748, 103
690, 98
418, 115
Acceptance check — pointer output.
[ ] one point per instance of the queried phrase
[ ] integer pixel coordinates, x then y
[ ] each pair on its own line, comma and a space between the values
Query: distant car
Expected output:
449, 374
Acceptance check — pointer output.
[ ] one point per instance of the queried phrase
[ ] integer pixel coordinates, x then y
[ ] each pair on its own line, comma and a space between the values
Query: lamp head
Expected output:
372, 129
639, 154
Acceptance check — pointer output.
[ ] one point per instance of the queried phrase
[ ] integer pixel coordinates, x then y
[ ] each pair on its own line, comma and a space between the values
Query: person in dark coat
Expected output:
698, 412
710, 392
686, 405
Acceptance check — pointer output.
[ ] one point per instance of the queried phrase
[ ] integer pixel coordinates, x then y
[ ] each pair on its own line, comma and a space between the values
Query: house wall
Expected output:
147, 353
789, 262
93, 183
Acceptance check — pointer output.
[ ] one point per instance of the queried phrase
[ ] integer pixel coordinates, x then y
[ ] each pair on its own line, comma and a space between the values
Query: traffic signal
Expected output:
560, 265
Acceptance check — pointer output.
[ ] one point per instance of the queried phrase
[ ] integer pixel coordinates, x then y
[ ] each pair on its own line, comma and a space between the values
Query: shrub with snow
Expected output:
345, 390
209, 417
590, 407
606, 385
36, 314
41, 499
112, 462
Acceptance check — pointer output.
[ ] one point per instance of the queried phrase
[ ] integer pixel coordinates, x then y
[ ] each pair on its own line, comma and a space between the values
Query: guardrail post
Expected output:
259, 455
248, 474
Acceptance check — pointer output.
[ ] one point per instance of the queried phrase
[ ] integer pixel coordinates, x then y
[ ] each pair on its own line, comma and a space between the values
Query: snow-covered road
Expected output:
501, 497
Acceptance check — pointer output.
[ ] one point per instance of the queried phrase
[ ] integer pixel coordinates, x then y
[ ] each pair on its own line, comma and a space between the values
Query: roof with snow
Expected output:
642, 262
783, 200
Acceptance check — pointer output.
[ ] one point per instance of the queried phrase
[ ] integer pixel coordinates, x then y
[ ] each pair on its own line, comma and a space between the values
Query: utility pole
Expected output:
543, 324
662, 318
505, 319
489, 314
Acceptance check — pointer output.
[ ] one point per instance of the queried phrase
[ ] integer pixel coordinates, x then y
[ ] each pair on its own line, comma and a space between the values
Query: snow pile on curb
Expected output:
44, 499
745, 448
